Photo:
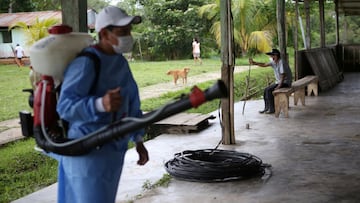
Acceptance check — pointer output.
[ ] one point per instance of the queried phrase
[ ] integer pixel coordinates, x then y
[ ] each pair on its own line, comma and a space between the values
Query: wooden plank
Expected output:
305, 81
184, 119
196, 119
282, 95
177, 119
286, 90
281, 104
299, 84
323, 64
180, 124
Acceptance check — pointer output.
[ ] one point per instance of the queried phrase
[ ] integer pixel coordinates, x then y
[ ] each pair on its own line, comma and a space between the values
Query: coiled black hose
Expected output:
215, 165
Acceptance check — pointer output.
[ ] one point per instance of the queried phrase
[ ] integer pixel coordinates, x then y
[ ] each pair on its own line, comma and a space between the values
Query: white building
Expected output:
9, 38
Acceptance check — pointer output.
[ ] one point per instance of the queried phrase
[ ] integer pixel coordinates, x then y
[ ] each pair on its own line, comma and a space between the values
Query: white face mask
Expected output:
125, 44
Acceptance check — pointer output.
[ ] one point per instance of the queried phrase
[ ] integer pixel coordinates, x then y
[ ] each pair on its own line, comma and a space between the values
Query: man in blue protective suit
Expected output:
94, 177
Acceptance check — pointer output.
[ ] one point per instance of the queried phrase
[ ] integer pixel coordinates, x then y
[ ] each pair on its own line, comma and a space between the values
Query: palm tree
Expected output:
35, 32
212, 13
254, 27
38, 30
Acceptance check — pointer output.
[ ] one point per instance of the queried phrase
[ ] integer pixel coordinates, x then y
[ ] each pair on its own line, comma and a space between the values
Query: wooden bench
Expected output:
281, 96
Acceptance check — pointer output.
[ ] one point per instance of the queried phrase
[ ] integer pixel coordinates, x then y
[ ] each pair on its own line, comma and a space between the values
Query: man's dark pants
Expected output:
269, 97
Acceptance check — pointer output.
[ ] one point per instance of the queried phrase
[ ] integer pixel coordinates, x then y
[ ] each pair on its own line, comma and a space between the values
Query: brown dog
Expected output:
179, 73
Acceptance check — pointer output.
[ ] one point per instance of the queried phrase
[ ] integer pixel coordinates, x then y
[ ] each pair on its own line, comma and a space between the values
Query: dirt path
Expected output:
162, 88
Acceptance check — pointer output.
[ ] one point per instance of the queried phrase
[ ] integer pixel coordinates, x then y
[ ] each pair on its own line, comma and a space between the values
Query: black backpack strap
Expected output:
95, 58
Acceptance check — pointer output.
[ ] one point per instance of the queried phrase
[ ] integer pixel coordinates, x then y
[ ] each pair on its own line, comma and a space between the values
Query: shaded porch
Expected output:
313, 155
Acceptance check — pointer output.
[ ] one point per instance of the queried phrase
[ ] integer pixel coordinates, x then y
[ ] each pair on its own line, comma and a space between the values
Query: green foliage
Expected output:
97, 5
253, 28
350, 29
23, 170
260, 78
169, 25
48, 5
163, 182
38, 29
159, 69
147, 186
172, 25
16, 6
13, 80
12, 100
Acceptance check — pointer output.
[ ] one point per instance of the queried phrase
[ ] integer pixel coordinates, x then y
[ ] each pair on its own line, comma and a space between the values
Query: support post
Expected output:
296, 41
280, 13
322, 24
337, 22
227, 72
308, 31
74, 14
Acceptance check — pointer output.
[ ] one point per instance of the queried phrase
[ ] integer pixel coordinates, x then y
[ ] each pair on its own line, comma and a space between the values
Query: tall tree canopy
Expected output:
13, 6
254, 23
38, 30
171, 26
97, 5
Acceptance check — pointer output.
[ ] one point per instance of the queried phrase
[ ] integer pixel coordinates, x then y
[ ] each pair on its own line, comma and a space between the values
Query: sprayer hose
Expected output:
214, 165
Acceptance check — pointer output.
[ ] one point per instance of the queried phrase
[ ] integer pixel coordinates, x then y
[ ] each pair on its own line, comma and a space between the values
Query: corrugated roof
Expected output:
7, 19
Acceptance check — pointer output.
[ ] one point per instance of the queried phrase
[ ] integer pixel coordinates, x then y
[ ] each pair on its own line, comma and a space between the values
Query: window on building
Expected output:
5, 36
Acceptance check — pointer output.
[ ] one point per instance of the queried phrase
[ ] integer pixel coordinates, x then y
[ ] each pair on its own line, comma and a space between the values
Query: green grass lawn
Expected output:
150, 73
23, 171
13, 80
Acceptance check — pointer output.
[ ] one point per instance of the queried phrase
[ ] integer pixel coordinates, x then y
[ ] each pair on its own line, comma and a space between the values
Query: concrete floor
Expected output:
313, 153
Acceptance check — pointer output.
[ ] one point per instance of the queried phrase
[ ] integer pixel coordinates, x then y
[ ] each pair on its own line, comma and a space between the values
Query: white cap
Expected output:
115, 16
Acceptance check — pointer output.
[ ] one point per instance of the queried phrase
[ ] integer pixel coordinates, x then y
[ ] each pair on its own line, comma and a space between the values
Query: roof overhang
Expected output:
345, 7
348, 7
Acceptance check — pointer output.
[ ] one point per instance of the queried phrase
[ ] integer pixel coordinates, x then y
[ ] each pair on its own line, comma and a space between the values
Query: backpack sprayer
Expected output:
48, 132
122, 127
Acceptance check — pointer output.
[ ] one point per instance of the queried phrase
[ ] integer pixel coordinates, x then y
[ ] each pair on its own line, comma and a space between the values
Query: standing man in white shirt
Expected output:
196, 50
19, 53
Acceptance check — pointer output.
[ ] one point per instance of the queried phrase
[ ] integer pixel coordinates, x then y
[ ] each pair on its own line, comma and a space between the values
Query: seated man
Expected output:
283, 78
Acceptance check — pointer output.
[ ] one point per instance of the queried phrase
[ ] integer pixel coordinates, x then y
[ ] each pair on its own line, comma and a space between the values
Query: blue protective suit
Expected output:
94, 177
